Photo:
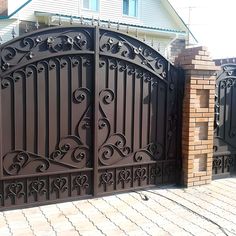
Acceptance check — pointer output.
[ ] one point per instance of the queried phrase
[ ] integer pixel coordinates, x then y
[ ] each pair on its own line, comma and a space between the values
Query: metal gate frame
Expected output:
74, 169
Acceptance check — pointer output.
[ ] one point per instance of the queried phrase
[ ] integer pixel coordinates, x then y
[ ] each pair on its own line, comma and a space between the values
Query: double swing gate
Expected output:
85, 111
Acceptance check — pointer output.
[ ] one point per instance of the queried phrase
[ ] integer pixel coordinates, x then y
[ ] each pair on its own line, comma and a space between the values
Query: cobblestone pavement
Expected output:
206, 210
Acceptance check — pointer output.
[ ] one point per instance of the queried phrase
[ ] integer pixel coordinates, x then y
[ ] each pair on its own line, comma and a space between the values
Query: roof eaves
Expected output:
182, 21
113, 22
16, 11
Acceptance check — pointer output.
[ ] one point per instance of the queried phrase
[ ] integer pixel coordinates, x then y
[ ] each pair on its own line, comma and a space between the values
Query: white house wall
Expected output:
154, 14
6, 27
111, 10
66, 7
150, 12
14, 4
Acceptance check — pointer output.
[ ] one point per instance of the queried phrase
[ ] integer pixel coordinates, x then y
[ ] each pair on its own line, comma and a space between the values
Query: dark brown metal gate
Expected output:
85, 111
224, 159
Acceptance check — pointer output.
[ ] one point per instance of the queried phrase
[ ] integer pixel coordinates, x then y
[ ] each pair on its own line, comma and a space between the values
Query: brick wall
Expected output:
198, 115
3, 7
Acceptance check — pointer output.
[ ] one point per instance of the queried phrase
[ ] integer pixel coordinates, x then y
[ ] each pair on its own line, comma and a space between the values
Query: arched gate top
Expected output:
228, 71
72, 40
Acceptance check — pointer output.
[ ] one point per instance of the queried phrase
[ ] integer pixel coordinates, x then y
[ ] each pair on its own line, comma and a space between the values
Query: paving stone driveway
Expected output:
169, 211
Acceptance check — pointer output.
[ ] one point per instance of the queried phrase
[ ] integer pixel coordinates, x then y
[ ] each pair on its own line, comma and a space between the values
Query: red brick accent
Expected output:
198, 115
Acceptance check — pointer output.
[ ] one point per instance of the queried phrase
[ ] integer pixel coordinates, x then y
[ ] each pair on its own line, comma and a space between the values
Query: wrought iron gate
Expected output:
224, 159
85, 111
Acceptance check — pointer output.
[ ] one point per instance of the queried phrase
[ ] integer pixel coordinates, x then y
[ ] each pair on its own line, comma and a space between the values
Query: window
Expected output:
130, 7
91, 4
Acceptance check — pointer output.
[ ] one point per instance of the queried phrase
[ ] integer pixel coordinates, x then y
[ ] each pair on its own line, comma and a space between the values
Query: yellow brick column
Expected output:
198, 115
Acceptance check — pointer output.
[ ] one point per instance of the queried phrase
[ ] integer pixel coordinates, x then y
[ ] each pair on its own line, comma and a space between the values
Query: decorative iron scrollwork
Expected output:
140, 174
59, 185
81, 94
81, 181
116, 144
223, 164
229, 162
229, 70
15, 190
155, 172
106, 178
123, 46
106, 96
37, 187
71, 147
6, 82
217, 163
17, 75
15, 162
32, 46
124, 66
227, 83
124, 176
150, 152
71, 153
75, 62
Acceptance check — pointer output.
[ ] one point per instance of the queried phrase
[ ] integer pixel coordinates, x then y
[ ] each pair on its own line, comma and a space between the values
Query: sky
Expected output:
212, 22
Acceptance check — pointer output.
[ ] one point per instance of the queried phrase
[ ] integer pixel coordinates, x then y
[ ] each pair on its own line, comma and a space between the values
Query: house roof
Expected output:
16, 11
177, 17
166, 3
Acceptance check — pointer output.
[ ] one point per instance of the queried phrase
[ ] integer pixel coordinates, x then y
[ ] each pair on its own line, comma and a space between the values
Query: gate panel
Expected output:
138, 115
46, 107
224, 160
85, 111
125, 156
50, 141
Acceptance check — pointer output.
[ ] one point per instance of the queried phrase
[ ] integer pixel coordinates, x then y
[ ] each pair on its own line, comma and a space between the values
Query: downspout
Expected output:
168, 47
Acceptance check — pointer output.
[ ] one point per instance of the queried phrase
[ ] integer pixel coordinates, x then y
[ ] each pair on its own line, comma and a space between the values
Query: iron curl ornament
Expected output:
71, 150
81, 181
115, 150
123, 46
15, 190
37, 187
70, 153
38, 45
60, 184
17, 162
124, 176
106, 178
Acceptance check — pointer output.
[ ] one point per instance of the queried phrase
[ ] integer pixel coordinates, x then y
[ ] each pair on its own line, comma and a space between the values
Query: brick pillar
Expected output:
198, 115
